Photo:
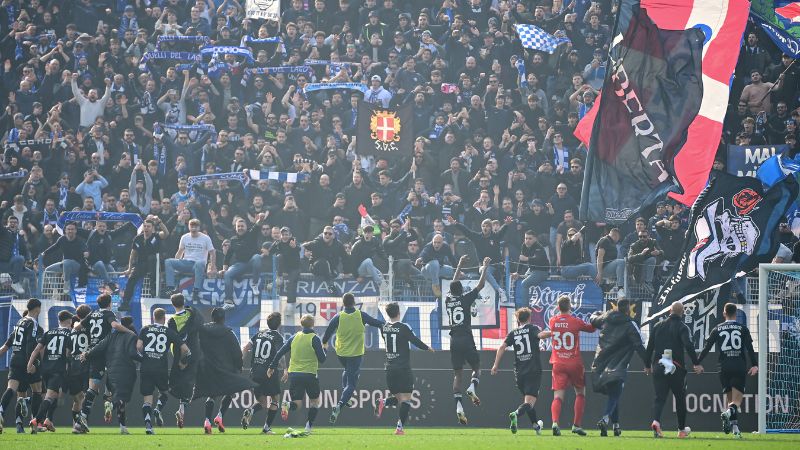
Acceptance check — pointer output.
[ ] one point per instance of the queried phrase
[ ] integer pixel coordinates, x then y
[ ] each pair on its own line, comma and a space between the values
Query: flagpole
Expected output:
779, 80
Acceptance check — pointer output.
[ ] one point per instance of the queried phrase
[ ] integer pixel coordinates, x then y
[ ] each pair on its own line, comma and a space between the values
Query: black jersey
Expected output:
525, 341
57, 348
79, 343
22, 341
156, 342
265, 346
459, 313
734, 345
397, 336
98, 324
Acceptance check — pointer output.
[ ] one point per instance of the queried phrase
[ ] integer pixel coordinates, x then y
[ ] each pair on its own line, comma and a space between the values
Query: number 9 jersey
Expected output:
566, 343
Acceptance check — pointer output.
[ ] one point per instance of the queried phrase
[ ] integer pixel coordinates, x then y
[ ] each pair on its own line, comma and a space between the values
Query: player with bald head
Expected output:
668, 341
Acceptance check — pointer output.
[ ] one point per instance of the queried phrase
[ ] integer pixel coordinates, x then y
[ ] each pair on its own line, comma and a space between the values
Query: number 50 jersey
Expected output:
156, 340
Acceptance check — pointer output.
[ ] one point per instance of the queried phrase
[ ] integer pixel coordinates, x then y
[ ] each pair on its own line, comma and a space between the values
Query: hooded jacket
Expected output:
619, 338
219, 372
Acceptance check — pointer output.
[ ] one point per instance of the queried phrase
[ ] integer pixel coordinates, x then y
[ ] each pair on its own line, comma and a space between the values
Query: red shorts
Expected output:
565, 376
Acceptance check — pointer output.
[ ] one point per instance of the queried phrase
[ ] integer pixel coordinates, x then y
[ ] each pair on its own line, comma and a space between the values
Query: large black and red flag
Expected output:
384, 132
652, 93
733, 229
722, 23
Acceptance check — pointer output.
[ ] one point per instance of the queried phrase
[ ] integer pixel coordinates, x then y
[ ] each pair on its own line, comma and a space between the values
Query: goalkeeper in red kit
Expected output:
567, 363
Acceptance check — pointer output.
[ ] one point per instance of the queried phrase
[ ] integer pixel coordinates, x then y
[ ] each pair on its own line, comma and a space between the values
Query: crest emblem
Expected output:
385, 127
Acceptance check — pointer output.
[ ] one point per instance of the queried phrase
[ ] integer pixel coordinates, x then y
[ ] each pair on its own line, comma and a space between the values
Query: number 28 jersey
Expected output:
156, 342
566, 341
525, 341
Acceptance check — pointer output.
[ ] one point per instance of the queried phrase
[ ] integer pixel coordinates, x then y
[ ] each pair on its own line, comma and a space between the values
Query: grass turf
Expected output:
373, 437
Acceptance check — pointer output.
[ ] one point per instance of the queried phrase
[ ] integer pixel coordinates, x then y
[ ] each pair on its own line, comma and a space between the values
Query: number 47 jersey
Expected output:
566, 342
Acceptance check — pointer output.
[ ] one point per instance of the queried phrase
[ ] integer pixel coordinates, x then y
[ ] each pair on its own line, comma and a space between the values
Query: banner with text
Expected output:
743, 160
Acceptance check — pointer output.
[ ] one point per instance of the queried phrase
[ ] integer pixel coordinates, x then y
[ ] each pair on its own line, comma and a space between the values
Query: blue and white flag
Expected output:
13, 175
227, 50
180, 56
247, 39
195, 40
272, 70
535, 38
291, 177
91, 216
230, 176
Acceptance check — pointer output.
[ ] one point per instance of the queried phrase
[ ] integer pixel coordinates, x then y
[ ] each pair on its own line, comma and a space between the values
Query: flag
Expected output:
385, 132
780, 20
263, 9
535, 38
722, 22
733, 229
653, 93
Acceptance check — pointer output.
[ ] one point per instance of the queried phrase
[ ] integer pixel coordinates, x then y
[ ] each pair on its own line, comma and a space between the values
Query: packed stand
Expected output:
99, 120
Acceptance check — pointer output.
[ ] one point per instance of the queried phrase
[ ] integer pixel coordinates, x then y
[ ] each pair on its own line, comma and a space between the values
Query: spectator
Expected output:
757, 93
192, 257
436, 260
92, 186
367, 253
13, 253
242, 257
325, 254
609, 263
91, 106
533, 265
574, 263
288, 253
74, 254
642, 258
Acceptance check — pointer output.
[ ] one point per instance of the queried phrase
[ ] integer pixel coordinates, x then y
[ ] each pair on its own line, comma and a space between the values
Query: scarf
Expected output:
291, 177
228, 50
13, 175
271, 70
239, 176
161, 55
87, 216
197, 40
312, 87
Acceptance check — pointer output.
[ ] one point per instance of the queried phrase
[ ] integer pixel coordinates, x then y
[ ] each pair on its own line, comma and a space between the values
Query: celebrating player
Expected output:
78, 371
264, 346
54, 347
153, 345
732, 339
462, 345
21, 342
668, 341
567, 363
99, 325
527, 366
619, 339
186, 322
218, 375
349, 326
305, 355
399, 378
118, 351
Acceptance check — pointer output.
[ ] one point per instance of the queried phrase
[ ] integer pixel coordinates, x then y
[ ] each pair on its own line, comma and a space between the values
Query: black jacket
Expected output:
219, 372
363, 249
619, 338
119, 351
670, 334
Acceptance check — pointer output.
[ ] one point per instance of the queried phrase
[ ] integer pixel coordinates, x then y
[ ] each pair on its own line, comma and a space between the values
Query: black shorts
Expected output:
400, 381
97, 369
268, 386
462, 350
77, 383
528, 383
152, 380
54, 381
732, 378
301, 384
181, 382
25, 379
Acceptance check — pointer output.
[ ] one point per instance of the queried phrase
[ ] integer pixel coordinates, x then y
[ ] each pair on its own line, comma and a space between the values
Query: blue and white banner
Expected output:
263, 9
744, 160
195, 40
13, 175
247, 39
586, 297
248, 73
535, 38
227, 50
90, 216
162, 55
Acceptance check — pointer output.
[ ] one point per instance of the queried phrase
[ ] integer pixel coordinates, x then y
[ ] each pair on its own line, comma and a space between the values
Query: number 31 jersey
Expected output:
566, 342
525, 341
156, 342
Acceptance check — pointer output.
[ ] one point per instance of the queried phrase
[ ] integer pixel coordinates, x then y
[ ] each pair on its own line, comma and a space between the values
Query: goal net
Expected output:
778, 330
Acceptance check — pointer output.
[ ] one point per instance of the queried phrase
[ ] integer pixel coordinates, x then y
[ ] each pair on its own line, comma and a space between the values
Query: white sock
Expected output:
471, 387
459, 408
736, 428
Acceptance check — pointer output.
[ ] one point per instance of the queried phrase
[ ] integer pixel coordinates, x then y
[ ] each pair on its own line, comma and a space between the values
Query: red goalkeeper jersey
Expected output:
566, 341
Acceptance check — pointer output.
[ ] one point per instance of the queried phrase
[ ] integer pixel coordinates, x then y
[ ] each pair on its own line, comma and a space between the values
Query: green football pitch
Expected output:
373, 437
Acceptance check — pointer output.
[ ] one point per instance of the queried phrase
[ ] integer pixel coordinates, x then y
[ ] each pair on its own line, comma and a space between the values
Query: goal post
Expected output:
778, 340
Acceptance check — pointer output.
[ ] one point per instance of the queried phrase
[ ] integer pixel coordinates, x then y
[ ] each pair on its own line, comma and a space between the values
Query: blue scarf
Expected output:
13, 175
238, 176
161, 55
197, 40
312, 87
63, 192
290, 177
228, 50
193, 130
271, 70
322, 62
87, 216
247, 39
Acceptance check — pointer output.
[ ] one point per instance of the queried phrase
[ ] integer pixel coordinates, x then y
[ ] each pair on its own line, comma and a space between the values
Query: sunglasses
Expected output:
327, 233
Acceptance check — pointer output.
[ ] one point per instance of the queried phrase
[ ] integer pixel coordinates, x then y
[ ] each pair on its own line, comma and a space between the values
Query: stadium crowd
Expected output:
495, 167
